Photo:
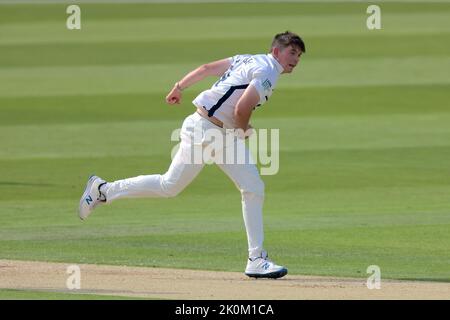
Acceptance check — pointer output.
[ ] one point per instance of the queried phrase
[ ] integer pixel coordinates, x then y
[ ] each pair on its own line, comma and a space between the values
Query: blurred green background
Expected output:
364, 136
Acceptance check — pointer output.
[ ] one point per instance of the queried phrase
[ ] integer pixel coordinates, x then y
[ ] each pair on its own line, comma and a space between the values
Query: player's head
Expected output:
287, 47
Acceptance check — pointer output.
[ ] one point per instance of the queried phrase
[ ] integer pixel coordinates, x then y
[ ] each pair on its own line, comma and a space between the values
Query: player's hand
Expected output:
174, 96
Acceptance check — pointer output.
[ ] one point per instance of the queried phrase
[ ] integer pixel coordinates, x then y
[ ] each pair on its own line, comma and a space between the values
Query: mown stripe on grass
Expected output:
45, 81
220, 28
156, 223
153, 137
16, 294
341, 251
293, 103
201, 50
300, 171
31, 12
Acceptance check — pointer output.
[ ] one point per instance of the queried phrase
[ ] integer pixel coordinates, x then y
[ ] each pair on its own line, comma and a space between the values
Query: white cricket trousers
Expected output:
183, 170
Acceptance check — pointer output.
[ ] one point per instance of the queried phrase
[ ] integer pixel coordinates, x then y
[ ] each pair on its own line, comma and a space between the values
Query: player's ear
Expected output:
275, 51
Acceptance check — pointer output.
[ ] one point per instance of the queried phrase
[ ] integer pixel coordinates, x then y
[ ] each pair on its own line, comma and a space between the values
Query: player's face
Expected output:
288, 57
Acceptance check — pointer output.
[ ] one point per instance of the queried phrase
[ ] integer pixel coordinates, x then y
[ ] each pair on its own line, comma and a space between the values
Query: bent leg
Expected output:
180, 173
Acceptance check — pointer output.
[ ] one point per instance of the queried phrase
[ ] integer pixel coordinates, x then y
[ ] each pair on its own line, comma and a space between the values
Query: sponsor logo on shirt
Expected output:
267, 84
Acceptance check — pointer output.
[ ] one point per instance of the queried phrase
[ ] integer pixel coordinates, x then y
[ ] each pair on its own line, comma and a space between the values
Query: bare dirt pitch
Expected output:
195, 284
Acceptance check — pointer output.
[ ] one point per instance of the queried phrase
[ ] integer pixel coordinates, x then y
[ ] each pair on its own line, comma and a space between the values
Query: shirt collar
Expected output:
276, 63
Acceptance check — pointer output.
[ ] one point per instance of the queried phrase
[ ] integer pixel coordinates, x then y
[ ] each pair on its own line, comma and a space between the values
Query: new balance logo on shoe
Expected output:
262, 267
90, 198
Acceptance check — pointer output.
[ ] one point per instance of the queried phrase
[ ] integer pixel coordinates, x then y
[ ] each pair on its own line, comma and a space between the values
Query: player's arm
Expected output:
216, 68
244, 108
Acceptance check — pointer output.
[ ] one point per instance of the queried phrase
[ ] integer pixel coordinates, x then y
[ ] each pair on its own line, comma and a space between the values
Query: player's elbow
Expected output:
242, 111
240, 116
238, 112
204, 67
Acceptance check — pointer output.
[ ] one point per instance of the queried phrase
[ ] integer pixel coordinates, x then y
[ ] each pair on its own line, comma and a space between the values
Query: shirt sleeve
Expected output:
262, 84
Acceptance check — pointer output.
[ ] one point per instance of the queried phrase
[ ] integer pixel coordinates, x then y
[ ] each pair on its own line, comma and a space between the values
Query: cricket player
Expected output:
245, 82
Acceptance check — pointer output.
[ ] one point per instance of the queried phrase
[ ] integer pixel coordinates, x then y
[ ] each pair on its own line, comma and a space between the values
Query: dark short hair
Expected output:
285, 39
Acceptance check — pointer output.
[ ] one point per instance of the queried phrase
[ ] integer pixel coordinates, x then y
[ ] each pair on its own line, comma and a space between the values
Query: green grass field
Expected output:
364, 127
43, 295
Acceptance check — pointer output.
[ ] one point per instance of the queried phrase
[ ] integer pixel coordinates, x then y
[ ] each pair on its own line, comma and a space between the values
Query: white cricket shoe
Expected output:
91, 197
262, 267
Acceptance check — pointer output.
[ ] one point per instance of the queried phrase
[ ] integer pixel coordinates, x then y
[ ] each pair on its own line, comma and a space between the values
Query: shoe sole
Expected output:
272, 275
85, 193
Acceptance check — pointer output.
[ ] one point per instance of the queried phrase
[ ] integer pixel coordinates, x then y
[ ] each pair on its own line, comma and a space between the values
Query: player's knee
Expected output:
170, 189
255, 187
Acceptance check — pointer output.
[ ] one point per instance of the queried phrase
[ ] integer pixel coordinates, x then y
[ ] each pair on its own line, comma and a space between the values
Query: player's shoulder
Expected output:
254, 65
258, 60
250, 57
264, 63
241, 57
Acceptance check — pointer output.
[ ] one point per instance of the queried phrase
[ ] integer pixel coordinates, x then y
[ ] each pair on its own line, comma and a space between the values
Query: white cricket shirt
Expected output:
261, 71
